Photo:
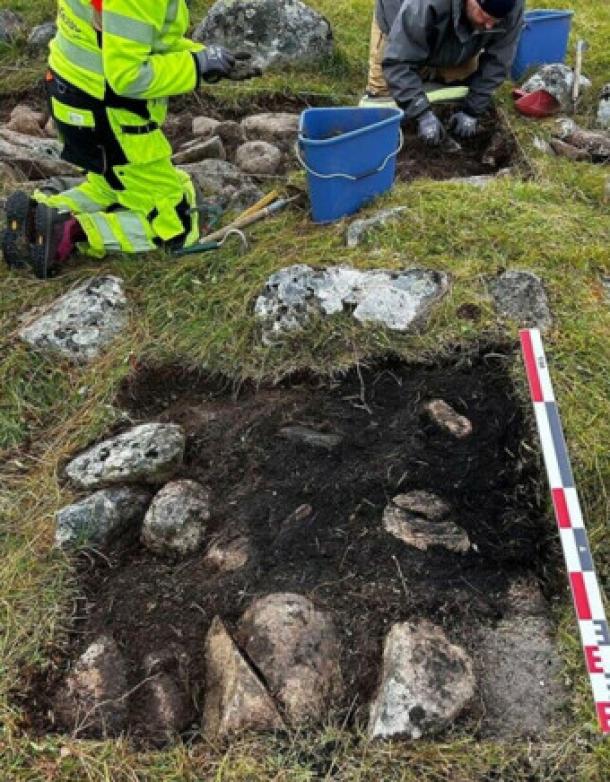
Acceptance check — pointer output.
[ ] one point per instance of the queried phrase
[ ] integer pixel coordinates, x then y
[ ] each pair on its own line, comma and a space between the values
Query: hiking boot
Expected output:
56, 234
19, 231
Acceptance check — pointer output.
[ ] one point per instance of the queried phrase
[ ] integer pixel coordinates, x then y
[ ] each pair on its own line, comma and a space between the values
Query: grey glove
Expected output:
215, 63
463, 125
430, 129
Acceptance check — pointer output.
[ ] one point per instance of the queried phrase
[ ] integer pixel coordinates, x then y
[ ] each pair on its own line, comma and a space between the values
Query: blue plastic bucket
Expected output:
350, 157
544, 40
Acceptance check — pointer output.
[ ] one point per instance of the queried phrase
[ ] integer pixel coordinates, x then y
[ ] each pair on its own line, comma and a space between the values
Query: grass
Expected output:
199, 310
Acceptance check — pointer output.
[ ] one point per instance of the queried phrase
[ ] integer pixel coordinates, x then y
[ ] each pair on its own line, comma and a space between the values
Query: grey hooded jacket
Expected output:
436, 33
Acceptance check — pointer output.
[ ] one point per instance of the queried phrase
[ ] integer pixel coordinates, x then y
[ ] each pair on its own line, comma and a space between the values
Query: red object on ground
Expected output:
537, 104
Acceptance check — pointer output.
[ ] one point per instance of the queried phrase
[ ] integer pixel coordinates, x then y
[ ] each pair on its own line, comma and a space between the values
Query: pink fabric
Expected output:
71, 233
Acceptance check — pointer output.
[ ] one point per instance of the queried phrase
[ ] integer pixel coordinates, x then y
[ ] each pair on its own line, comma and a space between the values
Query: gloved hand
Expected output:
430, 129
243, 68
463, 125
215, 63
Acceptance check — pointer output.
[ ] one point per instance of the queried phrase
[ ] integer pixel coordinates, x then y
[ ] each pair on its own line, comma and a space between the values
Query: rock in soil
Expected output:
235, 699
421, 532
259, 158
274, 31
519, 668
603, 110
296, 648
311, 437
425, 685
149, 453
596, 143
232, 135
41, 35
276, 128
24, 119
224, 183
164, 698
227, 554
194, 151
447, 419
12, 26
423, 503
81, 324
101, 518
36, 158
359, 229
520, 296
205, 127
92, 701
175, 523
562, 149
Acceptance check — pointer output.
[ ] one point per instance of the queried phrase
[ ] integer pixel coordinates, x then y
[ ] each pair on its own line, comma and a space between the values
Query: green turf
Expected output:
199, 310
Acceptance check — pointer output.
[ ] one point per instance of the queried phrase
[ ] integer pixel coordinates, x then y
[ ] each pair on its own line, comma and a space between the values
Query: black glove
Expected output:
463, 125
430, 129
215, 63
243, 68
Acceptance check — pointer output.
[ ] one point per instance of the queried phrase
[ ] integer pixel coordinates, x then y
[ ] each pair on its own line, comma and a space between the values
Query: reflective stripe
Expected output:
135, 230
141, 83
101, 223
84, 12
82, 201
125, 27
90, 61
172, 13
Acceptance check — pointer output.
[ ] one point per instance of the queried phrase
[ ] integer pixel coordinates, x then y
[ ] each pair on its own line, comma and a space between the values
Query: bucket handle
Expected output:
351, 177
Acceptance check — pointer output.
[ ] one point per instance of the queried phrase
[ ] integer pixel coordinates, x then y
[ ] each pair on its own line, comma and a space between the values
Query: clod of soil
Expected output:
337, 554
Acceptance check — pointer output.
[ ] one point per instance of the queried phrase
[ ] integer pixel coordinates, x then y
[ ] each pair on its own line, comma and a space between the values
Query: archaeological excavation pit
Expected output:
307, 481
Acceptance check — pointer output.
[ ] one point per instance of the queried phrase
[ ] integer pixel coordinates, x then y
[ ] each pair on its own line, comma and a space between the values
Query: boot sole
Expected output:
40, 250
14, 239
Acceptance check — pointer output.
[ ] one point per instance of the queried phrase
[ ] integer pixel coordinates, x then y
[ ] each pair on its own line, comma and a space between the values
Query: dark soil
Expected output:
340, 556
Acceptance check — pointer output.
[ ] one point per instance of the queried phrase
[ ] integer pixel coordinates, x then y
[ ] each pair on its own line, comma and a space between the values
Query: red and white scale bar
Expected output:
588, 603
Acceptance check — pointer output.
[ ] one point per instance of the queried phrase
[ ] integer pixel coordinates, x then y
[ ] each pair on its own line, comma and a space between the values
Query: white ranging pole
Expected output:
594, 630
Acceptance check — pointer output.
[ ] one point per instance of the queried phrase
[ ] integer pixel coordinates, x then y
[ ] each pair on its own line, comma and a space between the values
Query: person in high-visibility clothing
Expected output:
113, 65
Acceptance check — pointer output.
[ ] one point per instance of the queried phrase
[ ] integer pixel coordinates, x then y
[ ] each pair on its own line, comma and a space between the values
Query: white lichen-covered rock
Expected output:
426, 683
41, 35
205, 127
175, 523
603, 109
235, 698
82, 323
359, 229
558, 80
520, 296
12, 26
273, 31
297, 650
258, 158
92, 702
101, 518
401, 301
149, 453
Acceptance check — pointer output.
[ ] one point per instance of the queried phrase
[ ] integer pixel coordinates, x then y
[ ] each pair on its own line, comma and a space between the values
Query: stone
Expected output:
235, 698
205, 127
401, 301
481, 181
596, 143
178, 127
36, 158
224, 184
12, 26
275, 32
149, 453
524, 598
101, 518
605, 280
296, 648
423, 503
603, 109
228, 554
232, 134
258, 158
421, 531
519, 670
359, 229
175, 523
91, 701
279, 128
426, 683
211, 149
41, 35
50, 129
520, 296
447, 419
311, 437
9, 175
164, 697
82, 323
558, 80
23, 119
562, 149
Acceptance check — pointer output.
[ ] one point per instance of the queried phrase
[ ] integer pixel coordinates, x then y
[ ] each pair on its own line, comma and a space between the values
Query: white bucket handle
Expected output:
351, 177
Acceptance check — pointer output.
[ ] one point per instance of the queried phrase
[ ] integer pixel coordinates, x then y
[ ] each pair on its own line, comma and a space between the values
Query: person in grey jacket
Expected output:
474, 37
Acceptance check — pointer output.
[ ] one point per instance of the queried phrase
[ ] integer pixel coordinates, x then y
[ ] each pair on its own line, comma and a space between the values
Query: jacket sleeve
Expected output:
130, 66
407, 49
494, 64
